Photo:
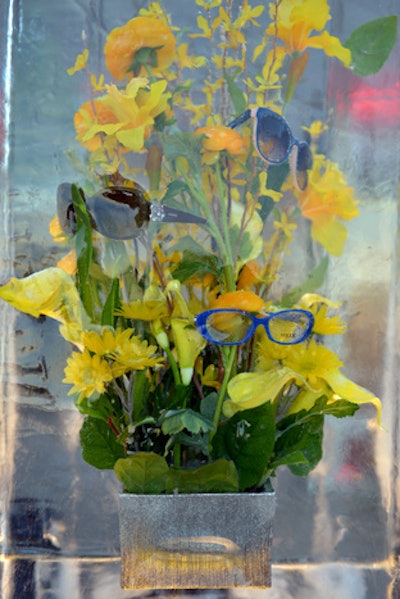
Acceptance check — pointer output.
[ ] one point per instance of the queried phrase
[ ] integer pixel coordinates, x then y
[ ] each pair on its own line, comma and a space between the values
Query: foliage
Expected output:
167, 410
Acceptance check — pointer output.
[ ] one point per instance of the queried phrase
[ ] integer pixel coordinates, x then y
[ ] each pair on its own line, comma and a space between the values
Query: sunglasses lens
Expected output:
273, 137
65, 209
120, 212
304, 163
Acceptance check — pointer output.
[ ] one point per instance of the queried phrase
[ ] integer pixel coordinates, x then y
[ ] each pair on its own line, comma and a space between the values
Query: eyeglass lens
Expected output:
288, 327
234, 327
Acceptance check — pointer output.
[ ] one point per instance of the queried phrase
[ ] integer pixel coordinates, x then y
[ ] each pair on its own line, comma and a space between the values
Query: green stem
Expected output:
174, 367
224, 246
229, 362
229, 270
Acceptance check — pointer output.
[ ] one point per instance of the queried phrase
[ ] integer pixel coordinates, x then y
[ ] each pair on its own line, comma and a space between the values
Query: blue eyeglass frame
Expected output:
201, 324
301, 159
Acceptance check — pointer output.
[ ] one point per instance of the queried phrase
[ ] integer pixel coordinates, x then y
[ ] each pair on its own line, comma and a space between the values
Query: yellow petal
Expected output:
51, 292
188, 344
251, 389
344, 387
80, 62
331, 46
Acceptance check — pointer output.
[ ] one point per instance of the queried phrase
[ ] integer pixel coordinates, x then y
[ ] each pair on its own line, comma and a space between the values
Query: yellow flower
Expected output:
319, 306
285, 226
251, 389
80, 62
327, 201
191, 62
297, 19
91, 114
133, 353
88, 374
188, 344
68, 263
208, 377
136, 108
315, 369
128, 44
51, 292
102, 342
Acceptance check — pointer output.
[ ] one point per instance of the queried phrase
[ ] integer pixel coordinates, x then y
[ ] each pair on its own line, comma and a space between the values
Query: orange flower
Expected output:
89, 114
221, 138
248, 275
139, 34
241, 300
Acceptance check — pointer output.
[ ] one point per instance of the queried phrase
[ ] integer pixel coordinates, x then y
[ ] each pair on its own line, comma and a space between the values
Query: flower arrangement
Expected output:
197, 366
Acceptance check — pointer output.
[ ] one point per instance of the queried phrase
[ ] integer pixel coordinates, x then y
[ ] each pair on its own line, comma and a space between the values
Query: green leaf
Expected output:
101, 407
84, 250
111, 304
300, 435
218, 477
100, 447
142, 473
248, 438
184, 145
174, 421
238, 98
371, 45
300, 446
209, 404
174, 188
194, 265
314, 280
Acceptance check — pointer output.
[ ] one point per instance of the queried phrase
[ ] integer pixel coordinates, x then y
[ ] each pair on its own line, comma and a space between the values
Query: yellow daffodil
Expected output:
312, 367
136, 108
51, 292
295, 22
90, 120
143, 43
327, 201
251, 389
88, 374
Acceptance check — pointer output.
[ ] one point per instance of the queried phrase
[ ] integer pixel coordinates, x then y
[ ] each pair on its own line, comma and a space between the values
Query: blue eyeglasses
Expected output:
276, 143
228, 326
119, 212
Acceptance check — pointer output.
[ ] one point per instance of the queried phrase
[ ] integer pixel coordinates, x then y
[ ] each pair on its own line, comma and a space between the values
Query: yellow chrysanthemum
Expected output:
88, 374
139, 34
133, 353
102, 343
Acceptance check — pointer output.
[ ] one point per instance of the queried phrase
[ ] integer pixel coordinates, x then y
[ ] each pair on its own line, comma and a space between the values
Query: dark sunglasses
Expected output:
118, 212
276, 143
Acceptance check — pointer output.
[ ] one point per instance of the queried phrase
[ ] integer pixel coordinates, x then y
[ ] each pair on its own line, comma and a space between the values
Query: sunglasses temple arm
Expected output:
167, 214
293, 165
240, 119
